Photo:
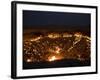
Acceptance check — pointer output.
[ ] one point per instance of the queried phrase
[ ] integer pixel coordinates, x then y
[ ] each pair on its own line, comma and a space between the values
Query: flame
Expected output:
35, 39
78, 37
29, 60
53, 58
53, 35
57, 50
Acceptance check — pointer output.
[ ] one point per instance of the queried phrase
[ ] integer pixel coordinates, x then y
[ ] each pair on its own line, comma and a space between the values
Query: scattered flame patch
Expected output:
53, 58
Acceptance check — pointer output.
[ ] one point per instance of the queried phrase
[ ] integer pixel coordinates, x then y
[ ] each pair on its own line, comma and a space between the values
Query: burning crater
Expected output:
56, 47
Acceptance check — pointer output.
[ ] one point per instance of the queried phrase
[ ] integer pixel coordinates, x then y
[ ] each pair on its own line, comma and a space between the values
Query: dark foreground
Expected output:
56, 64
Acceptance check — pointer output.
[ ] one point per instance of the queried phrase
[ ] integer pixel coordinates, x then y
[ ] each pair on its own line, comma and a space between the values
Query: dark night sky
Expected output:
41, 18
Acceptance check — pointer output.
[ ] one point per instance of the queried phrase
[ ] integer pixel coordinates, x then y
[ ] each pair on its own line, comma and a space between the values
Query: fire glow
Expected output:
57, 46
53, 58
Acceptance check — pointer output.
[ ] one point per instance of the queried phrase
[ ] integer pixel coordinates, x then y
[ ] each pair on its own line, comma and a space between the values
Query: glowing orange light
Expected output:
35, 39
58, 50
53, 58
28, 60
